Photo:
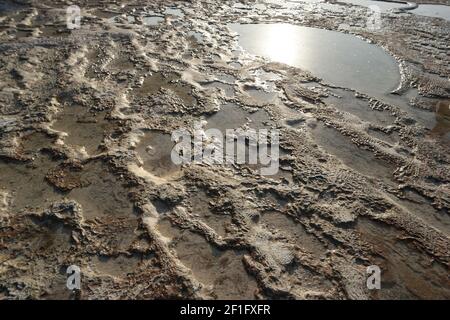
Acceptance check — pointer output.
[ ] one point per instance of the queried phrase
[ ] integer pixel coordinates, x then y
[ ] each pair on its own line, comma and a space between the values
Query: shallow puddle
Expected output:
174, 12
227, 88
358, 159
156, 81
229, 116
347, 102
118, 266
38, 184
423, 117
104, 13
26, 183
101, 194
381, 5
246, 150
92, 185
83, 128
262, 96
152, 20
338, 58
423, 209
121, 63
433, 10
35, 142
155, 150
232, 116
8, 6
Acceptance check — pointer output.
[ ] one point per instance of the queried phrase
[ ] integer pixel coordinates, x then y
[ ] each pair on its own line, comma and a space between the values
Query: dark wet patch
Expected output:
227, 88
23, 33
351, 155
229, 116
155, 149
8, 6
117, 266
407, 272
422, 208
176, 12
295, 123
152, 20
261, 96
260, 119
247, 150
84, 128
27, 184
154, 83
54, 31
105, 14
35, 142
348, 102
391, 138
92, 185
223, 270
102, 193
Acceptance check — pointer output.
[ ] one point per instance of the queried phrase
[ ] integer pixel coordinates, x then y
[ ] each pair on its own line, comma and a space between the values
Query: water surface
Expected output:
384, 6
433, 10
338, 58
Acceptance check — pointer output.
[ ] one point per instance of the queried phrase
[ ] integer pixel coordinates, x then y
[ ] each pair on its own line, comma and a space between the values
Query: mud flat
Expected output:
87, 179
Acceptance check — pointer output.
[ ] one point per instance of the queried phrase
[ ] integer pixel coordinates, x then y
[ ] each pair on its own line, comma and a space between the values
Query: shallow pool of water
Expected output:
338, 58
174, 12
433, 10
152, 20
383, 6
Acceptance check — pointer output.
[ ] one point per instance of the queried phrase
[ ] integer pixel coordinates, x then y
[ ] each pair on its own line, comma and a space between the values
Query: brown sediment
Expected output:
86, 176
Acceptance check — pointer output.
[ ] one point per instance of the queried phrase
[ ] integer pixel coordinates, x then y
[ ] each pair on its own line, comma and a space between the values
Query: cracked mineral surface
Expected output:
362, 108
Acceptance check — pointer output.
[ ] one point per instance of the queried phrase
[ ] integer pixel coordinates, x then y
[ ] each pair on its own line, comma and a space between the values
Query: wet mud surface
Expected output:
86, 177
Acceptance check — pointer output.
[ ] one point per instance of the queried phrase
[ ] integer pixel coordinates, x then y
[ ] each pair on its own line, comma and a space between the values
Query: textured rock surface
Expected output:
84, 177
